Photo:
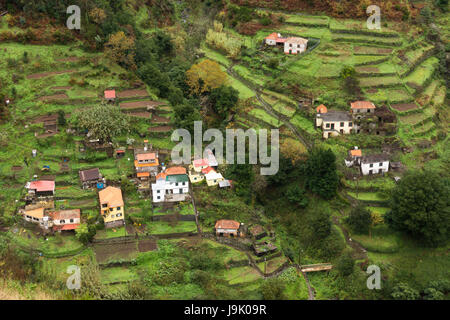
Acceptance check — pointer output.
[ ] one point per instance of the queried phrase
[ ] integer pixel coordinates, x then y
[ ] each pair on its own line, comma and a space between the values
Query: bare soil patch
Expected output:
68, 59
60, 96
143, 114
158, 119
372, 90
115, 251
404, 106
147, 245
47, 74
160, 129
367, 69
132, 93
140, 104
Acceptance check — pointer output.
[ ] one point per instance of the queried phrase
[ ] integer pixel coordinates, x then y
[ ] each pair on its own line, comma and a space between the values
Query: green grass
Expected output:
241, 275
216, 56
380, 81
303, 124
162, 227
110, 234
117, 274
368, 196
264, 116
423, 72
392, 95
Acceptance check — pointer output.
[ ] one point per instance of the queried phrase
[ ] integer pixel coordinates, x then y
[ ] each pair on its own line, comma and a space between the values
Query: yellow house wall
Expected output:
106, 213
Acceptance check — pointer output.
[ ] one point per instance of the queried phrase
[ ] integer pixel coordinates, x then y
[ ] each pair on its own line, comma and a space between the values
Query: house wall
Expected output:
226, 232
376, 167
271, 42
214, 182
112, 214
194, 177
161, 188
294, 49
66, 221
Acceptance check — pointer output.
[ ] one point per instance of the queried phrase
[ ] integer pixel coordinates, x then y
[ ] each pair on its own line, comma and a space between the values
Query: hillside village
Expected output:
86, 161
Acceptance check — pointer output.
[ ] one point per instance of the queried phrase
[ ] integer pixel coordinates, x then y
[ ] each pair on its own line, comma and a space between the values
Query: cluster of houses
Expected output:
363, 117
205, 169
291, 45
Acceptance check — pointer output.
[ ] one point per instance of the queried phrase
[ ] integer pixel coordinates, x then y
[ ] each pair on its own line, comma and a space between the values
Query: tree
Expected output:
320, 224
297, 196
85, 233
420, 206
97, 15
61, 118
360, 219
103, 122
224, 100
186, 114
120, 49
345, 264
320, 173
205, 76
273, 289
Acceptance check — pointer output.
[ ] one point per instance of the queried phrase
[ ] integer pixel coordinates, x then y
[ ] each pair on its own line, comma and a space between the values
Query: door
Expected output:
332, 126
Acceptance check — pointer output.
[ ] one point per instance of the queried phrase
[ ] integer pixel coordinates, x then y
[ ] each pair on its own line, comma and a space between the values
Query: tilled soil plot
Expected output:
47, 74
404, 106
60, 96
140, 104
160, 129
132, 93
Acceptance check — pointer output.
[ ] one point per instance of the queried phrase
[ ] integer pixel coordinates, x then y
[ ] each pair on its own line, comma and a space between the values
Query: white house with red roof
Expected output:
172, 185
41, 188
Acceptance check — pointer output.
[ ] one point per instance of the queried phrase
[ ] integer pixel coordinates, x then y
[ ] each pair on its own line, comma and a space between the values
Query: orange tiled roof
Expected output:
65, 214
143, 174
175, 170
362, 105
154, 164
322, 109
146, 156
356, 153
112, 196
36, 213
227, 224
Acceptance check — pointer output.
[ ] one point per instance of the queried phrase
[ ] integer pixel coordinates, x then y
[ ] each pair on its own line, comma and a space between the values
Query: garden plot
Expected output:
133, 93
306, 20
115, 251
272, 264
361, 50
380, 82
54, 97
160, 120
160, 129
365, 39
413, 119
265, 117
422, 73
392, 95
49, 74
424, 128
405, 106
140, 104
116, 275
163, 227
241, 275
303, 124
279, 106
384, 68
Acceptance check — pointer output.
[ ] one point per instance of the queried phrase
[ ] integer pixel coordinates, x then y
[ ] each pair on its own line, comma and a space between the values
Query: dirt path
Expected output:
359, 251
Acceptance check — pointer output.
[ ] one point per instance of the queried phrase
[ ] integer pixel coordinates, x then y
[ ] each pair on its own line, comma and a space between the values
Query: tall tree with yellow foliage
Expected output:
120, 49
205, 76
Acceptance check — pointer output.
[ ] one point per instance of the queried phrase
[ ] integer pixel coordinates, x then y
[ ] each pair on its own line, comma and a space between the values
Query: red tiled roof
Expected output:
143, 174
42, 185
110, 94
200, 162
207, 170
356, 153
227, 224
362, 105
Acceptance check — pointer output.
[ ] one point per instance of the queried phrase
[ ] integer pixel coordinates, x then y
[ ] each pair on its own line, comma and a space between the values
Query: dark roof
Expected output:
372, 158
335, 116
177, 178
90, 174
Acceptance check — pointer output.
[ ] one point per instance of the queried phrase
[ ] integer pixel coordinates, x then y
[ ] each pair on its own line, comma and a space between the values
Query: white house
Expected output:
374, 163
213, 178
295, 45
172, 185
334, 123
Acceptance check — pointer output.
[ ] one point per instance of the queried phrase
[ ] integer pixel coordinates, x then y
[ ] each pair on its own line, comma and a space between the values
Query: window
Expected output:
118, 215
71, 220
118, 208
342, 124
350, 124
327, 125
104, 205
158, 197
371, 165
380, 164
62, 221
158, 191
176, 184
111, 209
